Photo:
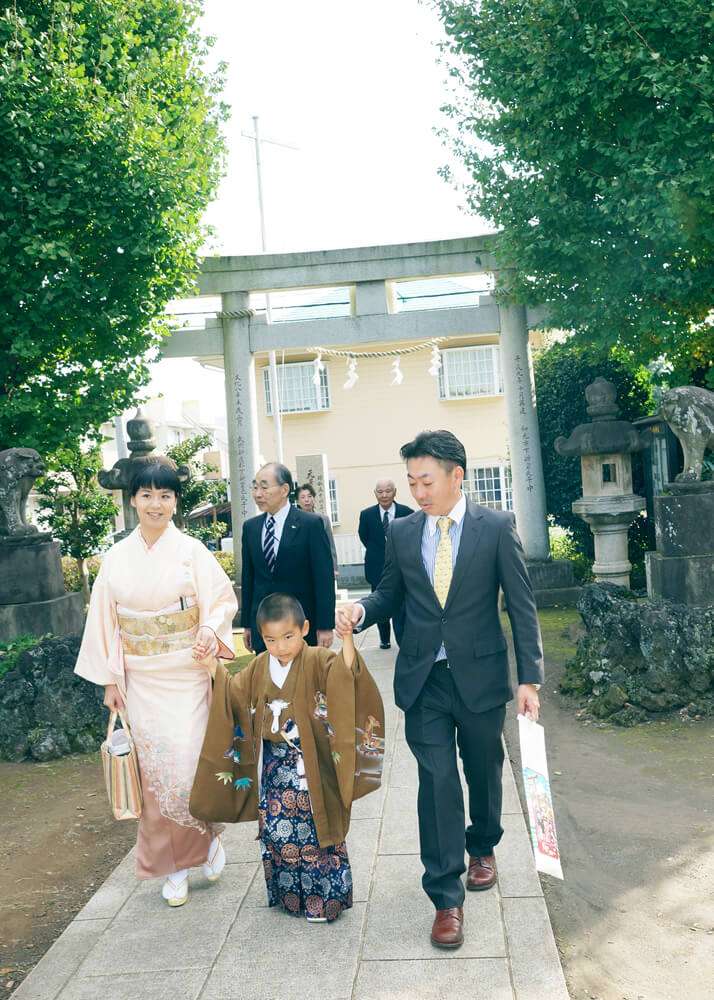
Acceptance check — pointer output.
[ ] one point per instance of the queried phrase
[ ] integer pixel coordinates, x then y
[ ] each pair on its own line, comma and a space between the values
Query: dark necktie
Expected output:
385, 521
269, 542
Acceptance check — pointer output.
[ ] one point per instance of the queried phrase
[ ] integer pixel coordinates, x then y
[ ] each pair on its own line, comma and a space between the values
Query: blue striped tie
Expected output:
269, 542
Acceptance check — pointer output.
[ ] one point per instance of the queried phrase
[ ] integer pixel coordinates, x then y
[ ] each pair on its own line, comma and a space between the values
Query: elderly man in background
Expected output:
285, 550
306, 497
374, 524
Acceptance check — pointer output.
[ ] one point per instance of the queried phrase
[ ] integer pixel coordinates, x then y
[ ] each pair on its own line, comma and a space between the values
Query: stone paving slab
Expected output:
428, 979
227, 944
399, 922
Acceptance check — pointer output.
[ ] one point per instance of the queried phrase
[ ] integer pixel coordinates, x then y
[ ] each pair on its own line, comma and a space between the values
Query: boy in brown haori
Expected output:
309, 723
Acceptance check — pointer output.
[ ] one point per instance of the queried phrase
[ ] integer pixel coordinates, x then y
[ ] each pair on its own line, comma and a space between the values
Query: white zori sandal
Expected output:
175, 890
216, 860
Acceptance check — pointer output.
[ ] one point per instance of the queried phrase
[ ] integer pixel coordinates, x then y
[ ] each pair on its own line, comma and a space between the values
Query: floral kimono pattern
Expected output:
300, 876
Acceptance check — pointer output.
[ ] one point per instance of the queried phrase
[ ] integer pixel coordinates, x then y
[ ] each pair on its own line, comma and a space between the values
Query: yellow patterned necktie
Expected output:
443, 567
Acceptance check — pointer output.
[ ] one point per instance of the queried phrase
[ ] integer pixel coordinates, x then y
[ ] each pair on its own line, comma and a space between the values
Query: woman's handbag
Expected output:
121, 770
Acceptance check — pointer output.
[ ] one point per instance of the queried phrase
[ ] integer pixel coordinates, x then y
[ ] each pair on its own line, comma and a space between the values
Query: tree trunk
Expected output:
84, 577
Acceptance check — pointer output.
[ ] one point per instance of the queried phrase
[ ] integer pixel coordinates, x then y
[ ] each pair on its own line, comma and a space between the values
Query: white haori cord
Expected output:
289, 736
276, 708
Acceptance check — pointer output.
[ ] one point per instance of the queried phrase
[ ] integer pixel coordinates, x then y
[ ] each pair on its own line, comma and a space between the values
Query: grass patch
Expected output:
555, 624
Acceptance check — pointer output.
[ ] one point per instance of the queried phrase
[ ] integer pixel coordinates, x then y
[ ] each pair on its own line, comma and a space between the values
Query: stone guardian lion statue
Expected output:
689, 411
19, 468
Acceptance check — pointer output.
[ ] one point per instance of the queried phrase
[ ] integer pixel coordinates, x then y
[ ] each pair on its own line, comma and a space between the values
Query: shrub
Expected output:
228, 564
70, 572
564, 546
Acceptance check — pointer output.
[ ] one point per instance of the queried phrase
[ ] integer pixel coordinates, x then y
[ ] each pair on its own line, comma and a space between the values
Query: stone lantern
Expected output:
608, 504
141, 446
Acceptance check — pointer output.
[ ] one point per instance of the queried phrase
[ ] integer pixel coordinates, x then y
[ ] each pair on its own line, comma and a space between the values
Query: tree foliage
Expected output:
198, 490
111, 150
74, 508
586, 131
562, 373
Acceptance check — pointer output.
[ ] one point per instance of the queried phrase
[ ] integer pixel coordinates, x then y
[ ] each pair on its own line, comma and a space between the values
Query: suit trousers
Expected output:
435, 725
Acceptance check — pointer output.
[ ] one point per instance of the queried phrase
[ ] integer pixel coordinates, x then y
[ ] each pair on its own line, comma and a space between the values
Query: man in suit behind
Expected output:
285, 550
374, 524
447, 562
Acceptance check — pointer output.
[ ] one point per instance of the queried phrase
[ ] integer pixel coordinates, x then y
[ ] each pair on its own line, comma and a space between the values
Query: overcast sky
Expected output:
357, 87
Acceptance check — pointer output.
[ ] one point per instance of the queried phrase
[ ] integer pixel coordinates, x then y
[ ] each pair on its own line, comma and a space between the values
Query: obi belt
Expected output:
165, 631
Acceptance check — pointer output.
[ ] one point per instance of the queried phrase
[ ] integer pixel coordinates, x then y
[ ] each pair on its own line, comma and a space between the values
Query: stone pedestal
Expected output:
609, 528
553, 582
682, 568
32, 595
61, 616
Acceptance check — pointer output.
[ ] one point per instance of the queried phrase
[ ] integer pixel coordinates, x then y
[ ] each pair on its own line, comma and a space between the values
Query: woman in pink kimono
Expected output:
161, 610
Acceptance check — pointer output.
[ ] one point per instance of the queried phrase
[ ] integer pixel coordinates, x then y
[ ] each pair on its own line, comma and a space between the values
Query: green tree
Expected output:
74, 508
111, 150
562, 373
197, 490
585, 130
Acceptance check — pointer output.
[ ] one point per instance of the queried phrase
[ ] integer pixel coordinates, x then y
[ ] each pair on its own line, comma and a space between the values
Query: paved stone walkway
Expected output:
225, 944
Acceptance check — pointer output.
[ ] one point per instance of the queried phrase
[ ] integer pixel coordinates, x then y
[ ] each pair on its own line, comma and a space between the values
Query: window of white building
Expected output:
490, 485
469, 372
334, 502
298, 393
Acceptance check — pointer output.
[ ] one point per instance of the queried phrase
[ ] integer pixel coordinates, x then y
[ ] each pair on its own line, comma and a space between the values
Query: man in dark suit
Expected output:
374, 524
447, 562
285, 550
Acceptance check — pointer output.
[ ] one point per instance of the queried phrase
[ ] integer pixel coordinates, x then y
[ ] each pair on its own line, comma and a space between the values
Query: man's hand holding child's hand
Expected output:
347, 618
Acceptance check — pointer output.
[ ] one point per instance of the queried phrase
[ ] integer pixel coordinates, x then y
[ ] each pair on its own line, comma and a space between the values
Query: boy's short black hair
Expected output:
444, 446
157, 472
277, 608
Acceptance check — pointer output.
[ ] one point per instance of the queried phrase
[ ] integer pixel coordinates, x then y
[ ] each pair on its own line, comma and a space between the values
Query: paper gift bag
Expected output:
121, 770
538, 798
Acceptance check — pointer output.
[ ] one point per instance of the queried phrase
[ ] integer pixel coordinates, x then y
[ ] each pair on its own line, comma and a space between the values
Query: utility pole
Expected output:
274, 387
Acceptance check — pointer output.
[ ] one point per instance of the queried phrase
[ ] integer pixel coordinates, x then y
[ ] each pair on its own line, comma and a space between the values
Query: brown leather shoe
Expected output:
482, 873
448, 928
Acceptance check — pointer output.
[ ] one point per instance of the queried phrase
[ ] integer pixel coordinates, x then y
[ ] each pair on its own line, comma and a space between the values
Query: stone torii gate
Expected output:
236, 335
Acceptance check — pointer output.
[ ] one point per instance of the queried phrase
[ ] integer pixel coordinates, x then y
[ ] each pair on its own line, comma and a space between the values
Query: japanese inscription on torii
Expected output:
522, 381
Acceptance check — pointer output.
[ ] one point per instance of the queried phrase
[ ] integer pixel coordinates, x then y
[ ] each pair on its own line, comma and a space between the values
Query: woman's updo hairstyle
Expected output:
157, 472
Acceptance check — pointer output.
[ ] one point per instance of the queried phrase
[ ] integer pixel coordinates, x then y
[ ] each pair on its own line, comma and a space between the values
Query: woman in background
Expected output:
161, 611
306, 501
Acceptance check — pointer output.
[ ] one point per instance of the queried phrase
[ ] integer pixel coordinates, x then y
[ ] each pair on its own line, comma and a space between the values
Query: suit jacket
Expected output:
490, 556
371, 534
303, 568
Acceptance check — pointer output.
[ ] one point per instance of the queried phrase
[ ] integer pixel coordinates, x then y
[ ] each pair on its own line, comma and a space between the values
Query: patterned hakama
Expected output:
299, 874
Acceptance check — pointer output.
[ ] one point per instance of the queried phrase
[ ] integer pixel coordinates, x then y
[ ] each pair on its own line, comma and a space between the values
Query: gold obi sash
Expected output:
163, 632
